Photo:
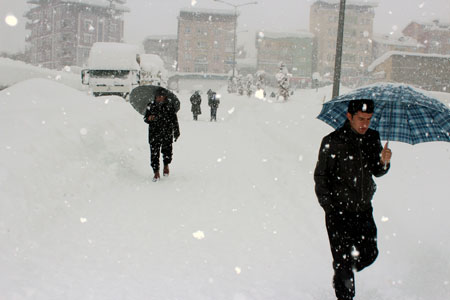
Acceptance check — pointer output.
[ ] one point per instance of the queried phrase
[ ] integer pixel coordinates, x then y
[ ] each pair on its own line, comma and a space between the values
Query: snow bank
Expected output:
12, 71
237, 218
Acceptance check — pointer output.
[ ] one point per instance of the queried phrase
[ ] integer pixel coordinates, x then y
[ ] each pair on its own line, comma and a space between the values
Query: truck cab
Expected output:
113, 69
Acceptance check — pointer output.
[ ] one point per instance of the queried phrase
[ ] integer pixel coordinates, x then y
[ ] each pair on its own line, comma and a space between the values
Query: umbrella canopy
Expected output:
402, 113
141, 96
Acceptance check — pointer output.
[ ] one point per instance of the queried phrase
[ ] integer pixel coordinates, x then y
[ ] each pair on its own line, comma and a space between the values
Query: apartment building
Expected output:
425, 70
434, 35
205, 40
358, 33
63, 31
165, 46
385, 43
294, 49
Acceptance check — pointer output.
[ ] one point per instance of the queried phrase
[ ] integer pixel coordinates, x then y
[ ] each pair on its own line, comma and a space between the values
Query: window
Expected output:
88, 38
201, 59
65, 23
88, 25
113, 28
110, 73
201, 44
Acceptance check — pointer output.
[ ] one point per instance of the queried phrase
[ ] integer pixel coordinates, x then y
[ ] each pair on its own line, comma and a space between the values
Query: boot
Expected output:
156, 177
166, 171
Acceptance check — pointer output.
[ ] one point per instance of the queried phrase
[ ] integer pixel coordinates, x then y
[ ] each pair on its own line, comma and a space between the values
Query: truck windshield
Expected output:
109, 73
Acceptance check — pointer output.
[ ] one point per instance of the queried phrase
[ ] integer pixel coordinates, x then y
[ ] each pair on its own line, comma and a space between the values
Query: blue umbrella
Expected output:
402, 113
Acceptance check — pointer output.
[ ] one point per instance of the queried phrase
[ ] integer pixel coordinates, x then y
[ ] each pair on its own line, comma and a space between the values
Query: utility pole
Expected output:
235, 27
339, 46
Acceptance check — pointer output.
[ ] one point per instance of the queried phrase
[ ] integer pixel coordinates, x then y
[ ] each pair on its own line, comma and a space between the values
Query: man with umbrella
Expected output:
163, 129
349, 157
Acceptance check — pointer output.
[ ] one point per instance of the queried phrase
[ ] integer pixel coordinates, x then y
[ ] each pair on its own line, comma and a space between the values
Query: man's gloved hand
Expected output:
176, 136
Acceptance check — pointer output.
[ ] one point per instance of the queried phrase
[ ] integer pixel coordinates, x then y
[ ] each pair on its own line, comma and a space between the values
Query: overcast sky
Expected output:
149, 17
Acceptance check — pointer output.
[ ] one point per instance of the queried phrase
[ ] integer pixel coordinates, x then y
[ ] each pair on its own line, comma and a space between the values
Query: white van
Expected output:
113, 69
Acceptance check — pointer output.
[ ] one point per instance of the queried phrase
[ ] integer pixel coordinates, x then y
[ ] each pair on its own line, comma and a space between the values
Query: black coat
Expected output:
213, 101
196, 100
343, 174
165, 125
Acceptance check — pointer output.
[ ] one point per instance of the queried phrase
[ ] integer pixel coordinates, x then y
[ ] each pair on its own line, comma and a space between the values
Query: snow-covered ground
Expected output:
236, 220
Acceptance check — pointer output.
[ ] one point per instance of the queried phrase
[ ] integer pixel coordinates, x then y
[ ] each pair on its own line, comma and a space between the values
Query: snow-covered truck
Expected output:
113, 69
153, 71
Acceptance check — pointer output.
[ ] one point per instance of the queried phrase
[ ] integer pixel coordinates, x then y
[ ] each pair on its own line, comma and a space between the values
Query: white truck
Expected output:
113, 69
153, 71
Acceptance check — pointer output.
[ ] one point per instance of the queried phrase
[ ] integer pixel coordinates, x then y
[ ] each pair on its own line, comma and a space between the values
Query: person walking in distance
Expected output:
348, 159
213, 102
196, 101
163, 129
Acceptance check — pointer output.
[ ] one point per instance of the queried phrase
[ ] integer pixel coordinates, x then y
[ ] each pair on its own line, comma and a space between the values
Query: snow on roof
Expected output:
433, 24
352, 2
13, 71
208, 11
113, 56
98, 3
101, 3
162, 37
388, 54
397, 40
282, 35
151, 63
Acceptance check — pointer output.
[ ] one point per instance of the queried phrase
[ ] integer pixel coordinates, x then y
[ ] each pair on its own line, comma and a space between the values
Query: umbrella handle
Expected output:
387, 146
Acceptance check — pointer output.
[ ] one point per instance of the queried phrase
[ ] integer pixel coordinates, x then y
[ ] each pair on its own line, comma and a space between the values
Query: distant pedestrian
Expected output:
213, 102
196, 100
163, 129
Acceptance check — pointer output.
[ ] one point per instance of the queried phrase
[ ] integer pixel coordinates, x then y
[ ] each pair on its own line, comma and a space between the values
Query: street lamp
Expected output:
235, 26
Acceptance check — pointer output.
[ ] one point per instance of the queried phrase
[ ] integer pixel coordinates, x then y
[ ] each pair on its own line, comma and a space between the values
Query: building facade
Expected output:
165, 46
295, 50
205, 40
434, 35
427, 71
385, 43
63, 31
358, 32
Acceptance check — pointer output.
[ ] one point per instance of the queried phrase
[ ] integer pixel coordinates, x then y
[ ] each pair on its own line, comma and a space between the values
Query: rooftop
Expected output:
226, 12
281, 35
97, 3
388, 54
352, 2
397, 40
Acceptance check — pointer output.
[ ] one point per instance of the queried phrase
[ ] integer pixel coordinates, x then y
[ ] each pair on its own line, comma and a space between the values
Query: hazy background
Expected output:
149, 17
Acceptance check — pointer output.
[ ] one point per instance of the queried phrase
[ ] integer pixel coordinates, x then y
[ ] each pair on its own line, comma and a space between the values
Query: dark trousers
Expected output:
353, 242
213, 113
157, 147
